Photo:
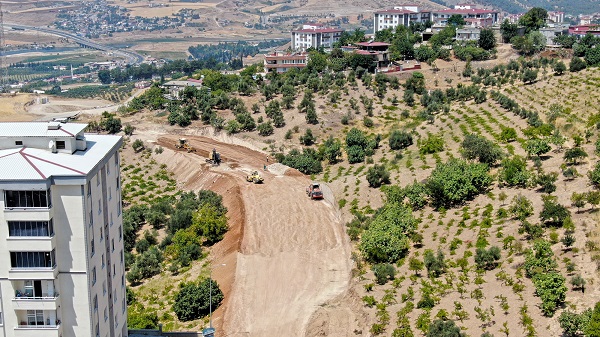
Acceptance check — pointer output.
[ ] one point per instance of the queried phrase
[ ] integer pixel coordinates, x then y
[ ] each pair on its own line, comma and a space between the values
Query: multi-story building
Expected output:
399, 15
315, 35
62, 270
282, 62
475, 16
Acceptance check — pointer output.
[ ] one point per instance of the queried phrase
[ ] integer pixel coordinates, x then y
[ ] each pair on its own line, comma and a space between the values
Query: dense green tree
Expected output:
508, 30
377, 175
529, 75
487, 40
593, 327
434, 263
480, 148
559, 68
384, 272
487, 259
416, 83
575, 154
193, 299
553, 213
387, 237
551, 289
456, 20
331, 150
444, 328
534, 19
456, 181
592, 56
521, 207
514, 172
576, 64
307, 139
142, 320
540, 259
400, 140
572, 323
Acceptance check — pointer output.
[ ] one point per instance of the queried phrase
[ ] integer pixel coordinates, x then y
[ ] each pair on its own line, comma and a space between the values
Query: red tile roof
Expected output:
466, 11
372, 44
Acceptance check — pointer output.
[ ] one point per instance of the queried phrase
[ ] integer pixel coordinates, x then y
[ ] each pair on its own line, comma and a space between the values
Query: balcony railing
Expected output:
45, 326
22, 296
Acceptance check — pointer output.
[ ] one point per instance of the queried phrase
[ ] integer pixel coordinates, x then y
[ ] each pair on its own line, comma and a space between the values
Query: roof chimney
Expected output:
53, 126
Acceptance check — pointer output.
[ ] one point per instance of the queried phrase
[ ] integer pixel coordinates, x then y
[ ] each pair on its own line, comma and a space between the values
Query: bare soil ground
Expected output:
293, 255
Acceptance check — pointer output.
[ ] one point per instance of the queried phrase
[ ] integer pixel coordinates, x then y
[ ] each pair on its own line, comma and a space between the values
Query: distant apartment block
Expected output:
62, 271
405, 14
282, 62
399, 15
473, 15
315, 35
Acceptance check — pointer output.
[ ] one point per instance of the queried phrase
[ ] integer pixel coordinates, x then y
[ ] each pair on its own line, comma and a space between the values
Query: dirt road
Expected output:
293, 257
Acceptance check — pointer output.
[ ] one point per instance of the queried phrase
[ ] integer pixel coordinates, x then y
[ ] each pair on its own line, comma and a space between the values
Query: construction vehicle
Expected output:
314, 191
214, 157
183, 145
255, 178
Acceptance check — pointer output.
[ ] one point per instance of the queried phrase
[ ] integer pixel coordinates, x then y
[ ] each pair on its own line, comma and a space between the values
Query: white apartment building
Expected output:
62, 271
314, 35
399, 15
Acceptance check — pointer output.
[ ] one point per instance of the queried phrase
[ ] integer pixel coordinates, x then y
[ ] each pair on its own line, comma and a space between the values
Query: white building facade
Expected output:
399, 16
62, 271
314, 36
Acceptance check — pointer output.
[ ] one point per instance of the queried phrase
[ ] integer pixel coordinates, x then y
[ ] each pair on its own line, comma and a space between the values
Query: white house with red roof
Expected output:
281, 62
314, 35
62, 269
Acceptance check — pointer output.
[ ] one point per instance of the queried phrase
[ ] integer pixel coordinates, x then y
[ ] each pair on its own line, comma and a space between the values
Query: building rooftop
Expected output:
466, 11
27, 163
396, 11
372, 44
318, 30
40, 129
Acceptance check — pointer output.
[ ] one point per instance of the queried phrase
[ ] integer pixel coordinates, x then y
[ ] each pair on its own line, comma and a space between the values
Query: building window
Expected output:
108, 169
113, 244
111, 219
92, 248
116, 162
103, 264
26, 199
91, 218
105, 314
96, 303
99, 206
98, 179
35, 317
120, 233
123, 281
97, 329
115, 297
118, 183
30, 228
18, 142
122, 256
114, 270
101, 236
89, 188
32, 259
104, 288
109, 193
94, 276
119, 207
124, 304
60, 145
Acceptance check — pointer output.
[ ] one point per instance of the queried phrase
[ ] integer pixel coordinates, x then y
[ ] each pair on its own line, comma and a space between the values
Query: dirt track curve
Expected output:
293, 256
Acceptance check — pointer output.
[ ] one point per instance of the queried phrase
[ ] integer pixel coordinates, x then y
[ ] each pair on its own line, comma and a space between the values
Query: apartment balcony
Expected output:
47, 330
31, 243
44, 302
39, 273
28, 214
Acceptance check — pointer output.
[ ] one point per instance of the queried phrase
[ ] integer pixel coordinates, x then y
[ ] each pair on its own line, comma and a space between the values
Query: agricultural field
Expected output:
471, 256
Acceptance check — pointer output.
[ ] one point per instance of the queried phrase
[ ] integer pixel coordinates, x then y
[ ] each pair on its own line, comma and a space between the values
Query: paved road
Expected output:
131, 57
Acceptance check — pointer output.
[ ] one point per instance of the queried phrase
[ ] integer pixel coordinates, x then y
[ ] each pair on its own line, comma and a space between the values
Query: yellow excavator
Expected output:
183, 145
255, 177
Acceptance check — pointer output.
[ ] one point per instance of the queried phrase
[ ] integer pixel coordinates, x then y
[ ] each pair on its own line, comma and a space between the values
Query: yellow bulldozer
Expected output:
183, 145
255, 177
